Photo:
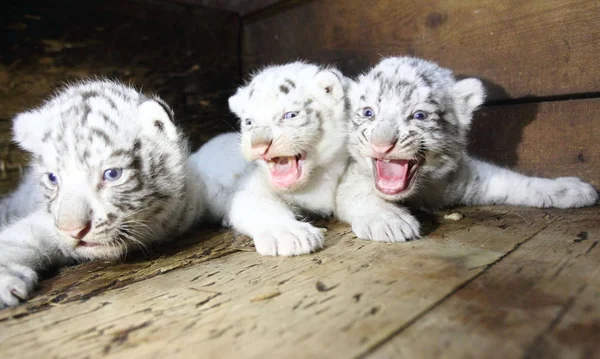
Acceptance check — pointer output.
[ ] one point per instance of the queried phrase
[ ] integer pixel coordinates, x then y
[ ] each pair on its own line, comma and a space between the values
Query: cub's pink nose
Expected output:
382, 149
261, 148
77, 233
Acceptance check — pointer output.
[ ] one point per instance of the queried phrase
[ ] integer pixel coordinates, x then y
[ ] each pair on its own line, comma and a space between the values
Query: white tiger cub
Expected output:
108, 174
293, 128
408, 136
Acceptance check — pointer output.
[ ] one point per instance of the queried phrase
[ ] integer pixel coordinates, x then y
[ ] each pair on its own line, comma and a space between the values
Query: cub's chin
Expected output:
394, 179
113, 251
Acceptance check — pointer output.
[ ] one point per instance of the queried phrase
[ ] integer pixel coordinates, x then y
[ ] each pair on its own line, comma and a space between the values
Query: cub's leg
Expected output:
484, 183
371, 216
257, 212
26, 246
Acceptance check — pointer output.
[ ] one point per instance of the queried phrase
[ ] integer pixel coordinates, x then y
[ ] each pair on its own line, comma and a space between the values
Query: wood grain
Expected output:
78, 283
548, 139
539, 302
339, 302
186, 54
521, 48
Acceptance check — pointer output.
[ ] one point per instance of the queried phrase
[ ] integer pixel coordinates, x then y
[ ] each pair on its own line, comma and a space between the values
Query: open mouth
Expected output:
394, 176
286, 170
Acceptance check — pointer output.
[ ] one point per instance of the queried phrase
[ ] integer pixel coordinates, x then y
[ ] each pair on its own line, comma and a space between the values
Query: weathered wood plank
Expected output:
335, 303
186, 54
539, 302
576, 331
522, 48
548, 139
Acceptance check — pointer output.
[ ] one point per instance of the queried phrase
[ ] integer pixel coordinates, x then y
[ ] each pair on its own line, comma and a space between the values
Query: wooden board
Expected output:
540, 302
344, 301
186, 54
521, 48
547, 139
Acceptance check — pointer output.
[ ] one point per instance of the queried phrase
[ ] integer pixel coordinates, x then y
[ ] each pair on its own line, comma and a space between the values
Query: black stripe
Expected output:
408, 93
46, 136
291, 83
427, 81
99, 133
319, 118
166, 108
89, 94
108, 120
86, 112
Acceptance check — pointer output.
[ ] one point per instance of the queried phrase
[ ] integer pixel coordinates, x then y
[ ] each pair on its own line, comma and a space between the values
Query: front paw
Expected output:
16, 284
394, 226
290, 240
570, 192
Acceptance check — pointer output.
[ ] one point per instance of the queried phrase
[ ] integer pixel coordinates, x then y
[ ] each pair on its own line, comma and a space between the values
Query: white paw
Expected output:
569, 192
388, 226
16, 284
289, 240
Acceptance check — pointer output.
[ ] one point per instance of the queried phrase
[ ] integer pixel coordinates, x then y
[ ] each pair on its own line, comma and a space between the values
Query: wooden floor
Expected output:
503, 282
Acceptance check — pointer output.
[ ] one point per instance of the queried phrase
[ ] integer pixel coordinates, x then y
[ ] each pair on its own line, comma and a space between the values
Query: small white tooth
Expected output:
386, 161
271, 164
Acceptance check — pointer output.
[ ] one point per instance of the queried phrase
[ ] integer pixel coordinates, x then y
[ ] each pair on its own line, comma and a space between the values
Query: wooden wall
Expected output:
242, 7
539, 60
187, 54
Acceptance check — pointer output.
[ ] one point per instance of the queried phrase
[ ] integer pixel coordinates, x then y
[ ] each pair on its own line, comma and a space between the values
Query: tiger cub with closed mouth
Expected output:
408, 141
293, 128
109, 174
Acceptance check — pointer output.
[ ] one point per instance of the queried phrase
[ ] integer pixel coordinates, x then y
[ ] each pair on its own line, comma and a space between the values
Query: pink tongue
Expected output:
285, 172
392, 177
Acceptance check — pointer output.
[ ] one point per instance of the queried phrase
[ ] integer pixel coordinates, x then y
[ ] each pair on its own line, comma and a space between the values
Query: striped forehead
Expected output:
274, 88
396, 89
88, 132
283, 95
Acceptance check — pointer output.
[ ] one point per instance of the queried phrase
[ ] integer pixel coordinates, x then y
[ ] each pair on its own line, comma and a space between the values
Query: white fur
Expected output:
396, 89
220, 165
259, 208
81, 132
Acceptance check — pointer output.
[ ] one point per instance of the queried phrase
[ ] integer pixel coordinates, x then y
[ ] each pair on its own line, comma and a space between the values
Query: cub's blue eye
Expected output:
53, 179
290, 114
368, 112
248, 122
113, 174
420, 115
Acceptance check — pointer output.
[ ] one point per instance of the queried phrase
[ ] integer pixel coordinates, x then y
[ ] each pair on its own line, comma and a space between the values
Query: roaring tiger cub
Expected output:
109, 173
293, 129
408, 135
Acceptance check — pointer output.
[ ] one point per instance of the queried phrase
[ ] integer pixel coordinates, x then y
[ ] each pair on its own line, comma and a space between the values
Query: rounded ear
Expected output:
331, 83
29, 130
157, 119
469, 94
237, 102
